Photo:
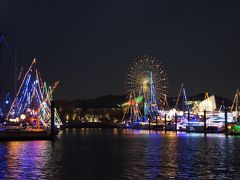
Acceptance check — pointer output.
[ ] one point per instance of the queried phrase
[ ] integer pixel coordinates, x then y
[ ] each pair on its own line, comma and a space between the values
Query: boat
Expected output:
32, 114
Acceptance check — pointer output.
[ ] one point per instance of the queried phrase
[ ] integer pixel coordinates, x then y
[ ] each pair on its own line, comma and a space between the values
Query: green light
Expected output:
139, 99
236, 128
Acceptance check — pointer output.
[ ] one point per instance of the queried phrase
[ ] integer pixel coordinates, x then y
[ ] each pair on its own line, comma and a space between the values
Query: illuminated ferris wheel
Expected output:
147, 76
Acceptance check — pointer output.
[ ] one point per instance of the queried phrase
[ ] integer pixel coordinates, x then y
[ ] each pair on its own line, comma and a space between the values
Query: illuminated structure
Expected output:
235, 105
8, 79
147, 88
131, 108
209, 105
32, 102
184, 105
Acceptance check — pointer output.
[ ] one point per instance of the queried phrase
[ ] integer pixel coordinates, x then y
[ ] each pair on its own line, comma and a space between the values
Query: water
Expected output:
122, 154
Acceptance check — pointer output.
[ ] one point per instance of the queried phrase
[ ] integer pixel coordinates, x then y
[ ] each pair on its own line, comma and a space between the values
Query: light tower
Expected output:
150, 107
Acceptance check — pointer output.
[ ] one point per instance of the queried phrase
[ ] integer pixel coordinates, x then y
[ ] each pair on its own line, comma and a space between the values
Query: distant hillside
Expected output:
108, 101
112, 101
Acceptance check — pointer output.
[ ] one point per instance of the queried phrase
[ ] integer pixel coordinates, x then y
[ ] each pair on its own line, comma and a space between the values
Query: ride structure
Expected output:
147, 88
184, 102
131, 108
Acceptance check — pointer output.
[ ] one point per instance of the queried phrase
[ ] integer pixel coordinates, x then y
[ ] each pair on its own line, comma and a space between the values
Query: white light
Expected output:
23, 116
14, 120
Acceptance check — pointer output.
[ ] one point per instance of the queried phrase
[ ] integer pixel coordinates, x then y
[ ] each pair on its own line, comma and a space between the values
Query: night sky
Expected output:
89, 44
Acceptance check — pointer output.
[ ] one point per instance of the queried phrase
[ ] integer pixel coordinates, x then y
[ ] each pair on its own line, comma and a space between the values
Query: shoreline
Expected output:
152, 128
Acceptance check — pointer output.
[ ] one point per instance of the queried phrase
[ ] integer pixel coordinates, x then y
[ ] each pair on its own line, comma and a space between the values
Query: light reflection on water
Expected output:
122, 154
26, 159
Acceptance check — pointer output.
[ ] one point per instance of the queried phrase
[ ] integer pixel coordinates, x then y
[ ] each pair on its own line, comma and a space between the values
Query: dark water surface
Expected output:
122, 154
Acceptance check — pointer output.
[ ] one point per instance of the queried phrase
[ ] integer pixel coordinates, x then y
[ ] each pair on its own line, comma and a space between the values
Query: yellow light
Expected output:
145, 84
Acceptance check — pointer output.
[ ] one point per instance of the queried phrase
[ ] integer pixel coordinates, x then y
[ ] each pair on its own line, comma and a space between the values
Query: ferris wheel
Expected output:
147, 76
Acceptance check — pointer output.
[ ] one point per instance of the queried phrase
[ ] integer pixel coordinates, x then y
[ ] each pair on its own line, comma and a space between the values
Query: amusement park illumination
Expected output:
33, 99
146, 78
139, 75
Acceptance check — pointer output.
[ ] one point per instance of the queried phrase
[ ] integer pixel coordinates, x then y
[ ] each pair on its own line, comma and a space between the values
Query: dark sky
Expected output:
89, 44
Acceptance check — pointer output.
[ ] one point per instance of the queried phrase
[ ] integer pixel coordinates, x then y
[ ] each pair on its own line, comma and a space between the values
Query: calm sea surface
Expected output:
122, 154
